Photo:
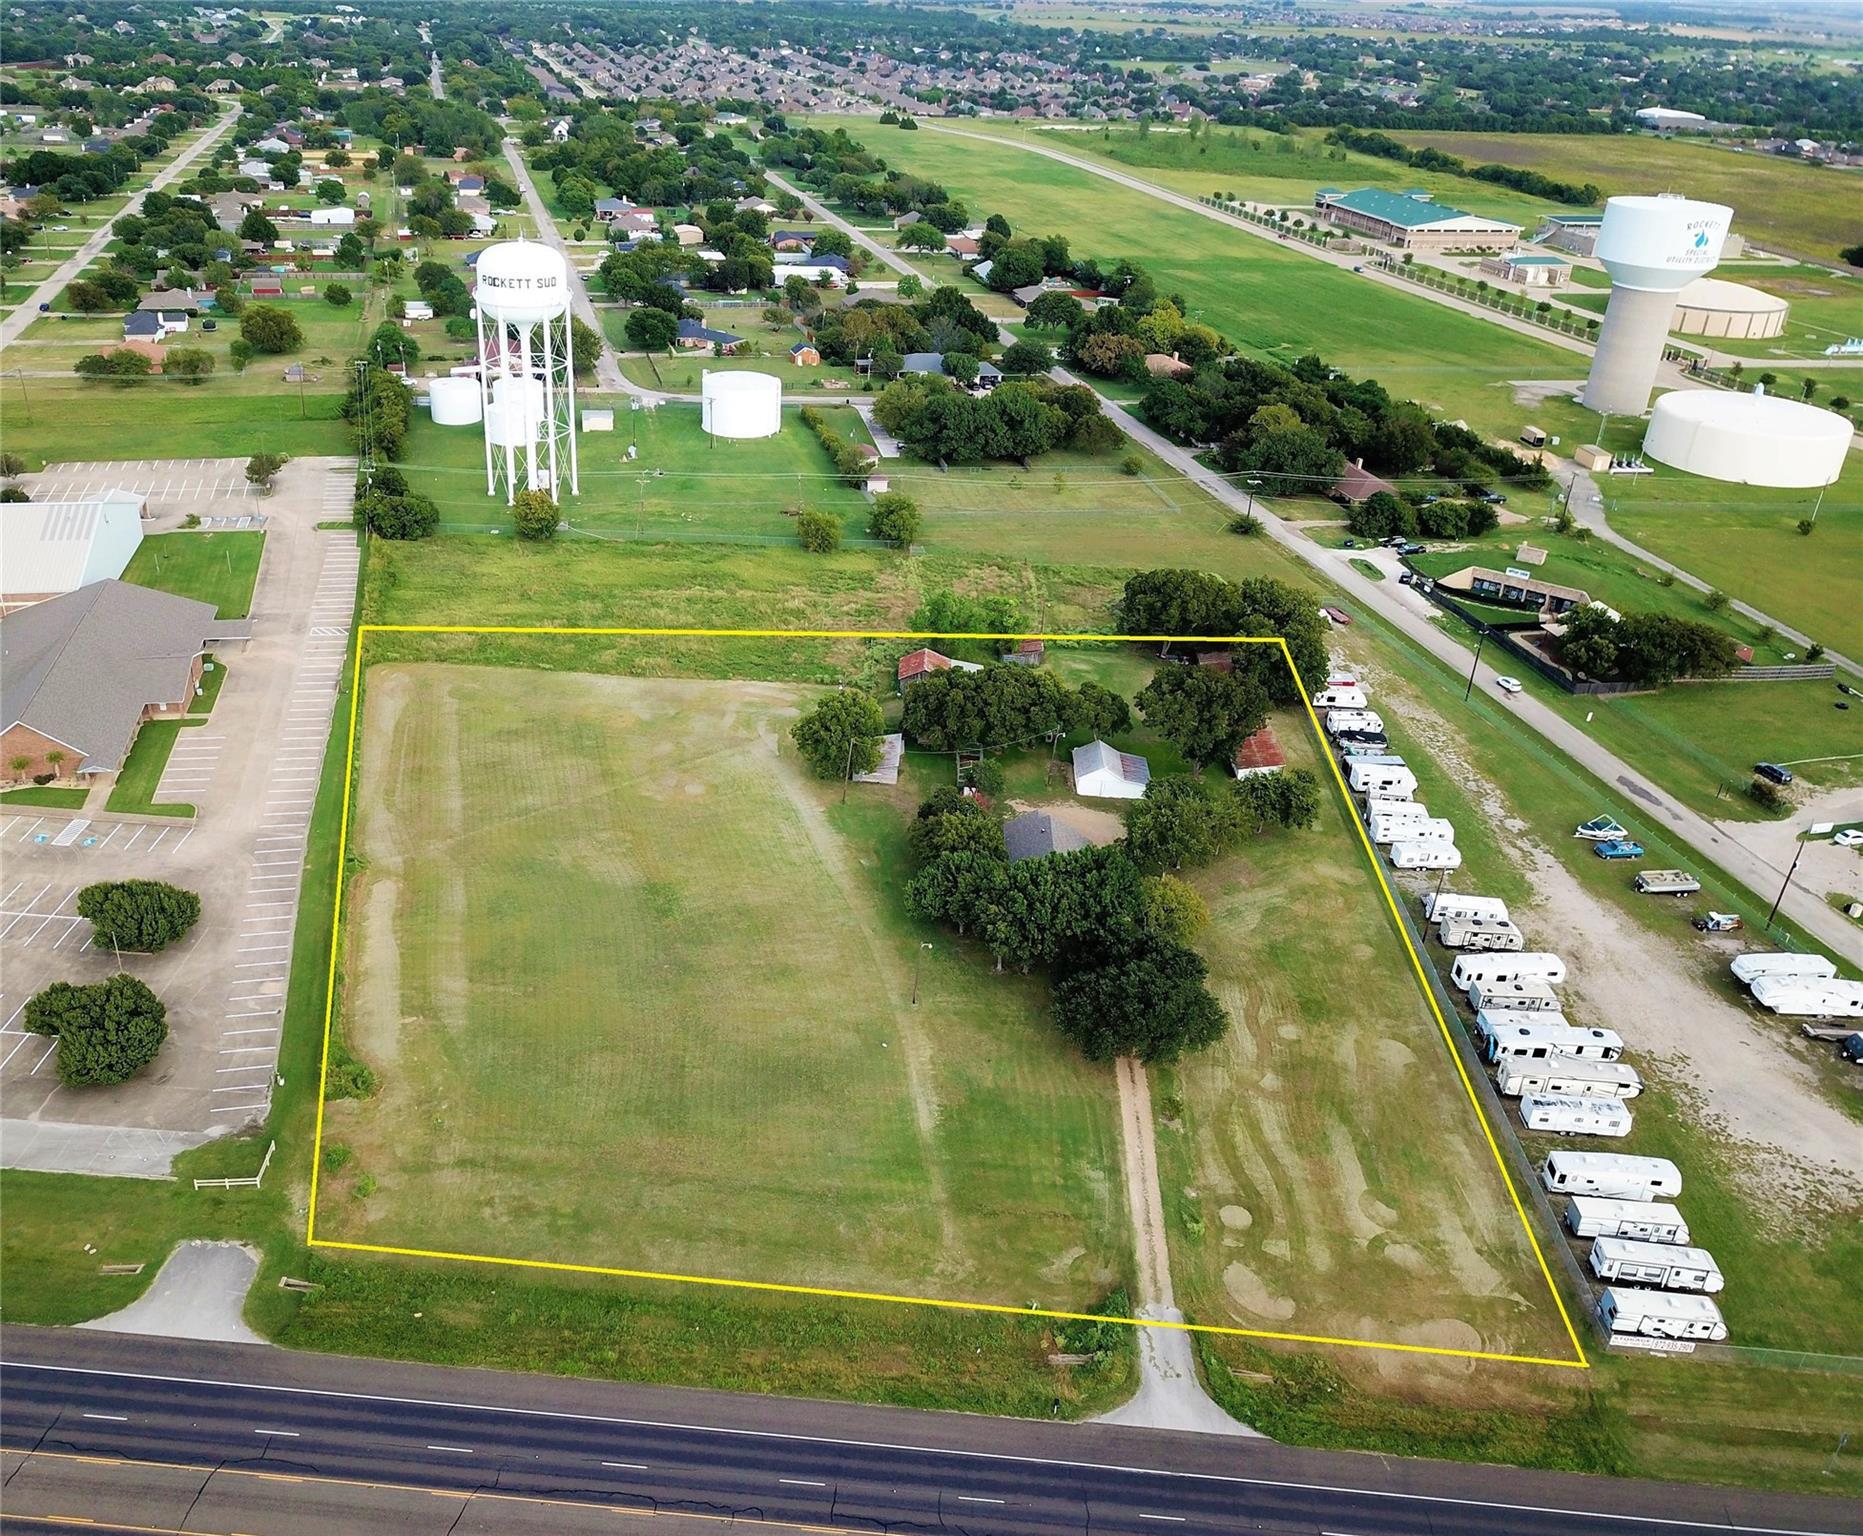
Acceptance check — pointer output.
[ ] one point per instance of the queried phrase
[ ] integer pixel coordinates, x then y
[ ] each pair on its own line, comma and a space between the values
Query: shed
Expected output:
886, 771
597, 420
1102, 772
1259, 753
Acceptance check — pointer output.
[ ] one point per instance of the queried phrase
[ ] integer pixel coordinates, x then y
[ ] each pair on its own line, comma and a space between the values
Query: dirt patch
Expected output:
1246, 1289
1100, 828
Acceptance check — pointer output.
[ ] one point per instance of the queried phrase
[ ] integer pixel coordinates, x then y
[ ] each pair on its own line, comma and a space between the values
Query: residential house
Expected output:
1036, 834
1358, 482
804, 355
696, 334
922, 663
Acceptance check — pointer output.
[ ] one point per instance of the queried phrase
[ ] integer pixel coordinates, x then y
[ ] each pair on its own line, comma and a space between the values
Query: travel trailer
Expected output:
1521, 996
1390, 805
1541, 1042
1338, 720
1658, 1264
1340, 696
1409, 855
1612, 1175
1439, 906
1480, 933
1375, 778
1803, 997
1649, 1221
1660, 1314
1565, 1115
1749, 968
1529, 965
1592, 1077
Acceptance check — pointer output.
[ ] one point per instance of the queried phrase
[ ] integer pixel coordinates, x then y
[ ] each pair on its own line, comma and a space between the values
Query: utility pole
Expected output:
1787, 881
26, 401
1479, 641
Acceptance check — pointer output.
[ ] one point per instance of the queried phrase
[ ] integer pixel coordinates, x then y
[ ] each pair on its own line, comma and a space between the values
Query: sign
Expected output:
1518, 574
1655, 1346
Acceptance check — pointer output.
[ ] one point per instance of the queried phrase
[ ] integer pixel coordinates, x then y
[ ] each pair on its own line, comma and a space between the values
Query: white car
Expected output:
1850, 837
1507, 684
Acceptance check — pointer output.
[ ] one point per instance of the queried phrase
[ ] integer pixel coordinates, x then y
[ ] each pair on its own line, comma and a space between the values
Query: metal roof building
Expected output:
1413, 220
48, 548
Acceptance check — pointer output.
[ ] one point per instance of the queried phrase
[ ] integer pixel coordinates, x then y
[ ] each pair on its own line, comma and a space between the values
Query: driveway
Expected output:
251, 769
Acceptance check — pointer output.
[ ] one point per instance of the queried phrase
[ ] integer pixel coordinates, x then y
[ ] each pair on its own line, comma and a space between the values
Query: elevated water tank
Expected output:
1748, 439
455, 402
521, 283
736, 404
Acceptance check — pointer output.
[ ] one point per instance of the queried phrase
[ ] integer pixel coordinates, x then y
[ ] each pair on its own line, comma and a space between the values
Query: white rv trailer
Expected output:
1541, 1042
1657, 1264
1612, 1175
1440, 907
1566, 1072
1529, 965
1385, 827
1649, 1221
1480, 933
1340, 696
1338, 720
1565, 1115
1367, 778
1749, 968
1660, 1314
1805, 997
1488, 1020
1390, 805
1518, 996
1408, 855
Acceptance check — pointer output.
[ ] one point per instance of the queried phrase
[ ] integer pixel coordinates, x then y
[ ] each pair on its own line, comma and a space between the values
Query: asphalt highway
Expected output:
132, 1434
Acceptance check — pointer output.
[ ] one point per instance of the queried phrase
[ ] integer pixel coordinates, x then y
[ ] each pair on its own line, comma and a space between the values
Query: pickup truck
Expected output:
1718, 922
1619, 848
1666, 882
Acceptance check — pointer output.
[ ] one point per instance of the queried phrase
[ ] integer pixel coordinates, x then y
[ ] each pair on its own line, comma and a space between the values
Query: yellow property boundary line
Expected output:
363, 631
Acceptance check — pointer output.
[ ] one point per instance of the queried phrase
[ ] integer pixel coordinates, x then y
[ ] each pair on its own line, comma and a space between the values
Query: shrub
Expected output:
895, 518
818, 531
1805, 525
410, 516
536, 515
1132, 464
1716, 600
337, 295
262, 469
851, 462
138, 915
1766, 794
1245, 523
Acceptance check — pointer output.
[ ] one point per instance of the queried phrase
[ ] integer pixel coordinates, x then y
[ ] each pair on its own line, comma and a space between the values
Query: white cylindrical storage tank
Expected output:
503, 428
1710, 307
454, 402
1748, 439
521, 283
1652, 247
741, 404
519, 401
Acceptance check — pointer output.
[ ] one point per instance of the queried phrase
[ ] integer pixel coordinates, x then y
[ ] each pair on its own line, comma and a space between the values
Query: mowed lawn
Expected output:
1323, 1170
1777, 201
1267, 299
219, 568
639, 994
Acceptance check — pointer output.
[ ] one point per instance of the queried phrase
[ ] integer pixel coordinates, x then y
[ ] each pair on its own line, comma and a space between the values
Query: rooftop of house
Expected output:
1036, 834
698, 330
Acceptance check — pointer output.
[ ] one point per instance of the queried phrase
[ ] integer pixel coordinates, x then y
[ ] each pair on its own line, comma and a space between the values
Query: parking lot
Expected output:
214, 490
251, 770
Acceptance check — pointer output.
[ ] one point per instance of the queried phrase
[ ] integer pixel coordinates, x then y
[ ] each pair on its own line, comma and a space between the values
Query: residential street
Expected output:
48, 291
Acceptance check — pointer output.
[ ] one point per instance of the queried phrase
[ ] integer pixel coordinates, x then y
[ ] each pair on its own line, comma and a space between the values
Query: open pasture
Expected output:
639, 994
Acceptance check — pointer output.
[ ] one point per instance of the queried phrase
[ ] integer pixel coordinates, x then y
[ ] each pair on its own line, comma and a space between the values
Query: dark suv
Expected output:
1774, 772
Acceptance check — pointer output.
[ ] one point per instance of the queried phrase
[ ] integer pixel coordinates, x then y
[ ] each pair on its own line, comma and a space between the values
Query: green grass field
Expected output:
134, 792
594, 913
219, 568
1265, 298
1776, 201
69, 421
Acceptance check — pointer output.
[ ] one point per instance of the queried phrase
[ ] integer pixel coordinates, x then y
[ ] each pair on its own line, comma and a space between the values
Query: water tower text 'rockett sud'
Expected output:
527, 370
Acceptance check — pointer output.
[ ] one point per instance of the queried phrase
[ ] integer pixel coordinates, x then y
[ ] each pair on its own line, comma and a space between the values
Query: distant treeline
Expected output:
1579, 195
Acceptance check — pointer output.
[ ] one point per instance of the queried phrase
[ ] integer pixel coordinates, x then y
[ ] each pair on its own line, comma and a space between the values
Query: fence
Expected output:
1502, 301
1801, 672
251, 1183
1525, 653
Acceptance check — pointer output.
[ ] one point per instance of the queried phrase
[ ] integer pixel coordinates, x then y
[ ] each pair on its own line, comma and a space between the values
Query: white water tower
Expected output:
527, 388
1653, 247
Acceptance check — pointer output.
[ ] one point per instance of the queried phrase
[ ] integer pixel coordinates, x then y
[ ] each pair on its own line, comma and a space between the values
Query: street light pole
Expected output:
1479, 640
1787, 881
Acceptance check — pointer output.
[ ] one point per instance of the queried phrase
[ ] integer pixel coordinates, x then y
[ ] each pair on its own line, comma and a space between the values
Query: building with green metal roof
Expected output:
1414, 221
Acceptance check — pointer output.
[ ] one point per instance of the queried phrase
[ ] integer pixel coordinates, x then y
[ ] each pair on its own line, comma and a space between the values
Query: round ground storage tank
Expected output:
1710, 307
454, 402
741, 404
1748, 439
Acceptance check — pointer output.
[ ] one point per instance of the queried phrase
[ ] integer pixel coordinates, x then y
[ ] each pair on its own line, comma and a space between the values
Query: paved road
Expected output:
369, 1431
1753, 868
608, 373
49, 290
434, 78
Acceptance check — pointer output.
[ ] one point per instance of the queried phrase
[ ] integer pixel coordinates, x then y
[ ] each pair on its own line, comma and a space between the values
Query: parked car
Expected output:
1774, 772
1507, 684
1405, 578
1494, 498
1850, 837
1412, 549
1718, 922
210, 325
1619, 848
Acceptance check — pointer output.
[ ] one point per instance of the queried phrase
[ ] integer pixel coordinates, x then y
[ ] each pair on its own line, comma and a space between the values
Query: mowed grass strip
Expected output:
1268, 300
636, 999
1323, 1171
218, 568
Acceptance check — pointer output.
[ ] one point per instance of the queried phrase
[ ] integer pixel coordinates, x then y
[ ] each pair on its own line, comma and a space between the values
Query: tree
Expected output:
270, 329
330, 192
586, 344
1152, 1005
390, 344
1380, 515
1807, 388
11, 465
951, 822
1205, 712
239, 352
1288, 799
407, 516
1179, 824
1174, 912
911, 286
535, 515
895, 518
818, 531
1027, 357
262, 469
107, 1031
921, 236
257, 228
651, 330
138, 915
192, 364
841, 735
1100, 710
1054, 310
337, 295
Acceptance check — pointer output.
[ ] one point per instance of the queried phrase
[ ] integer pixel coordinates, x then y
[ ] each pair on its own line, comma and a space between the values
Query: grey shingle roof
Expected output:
82, 668
1035, 834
